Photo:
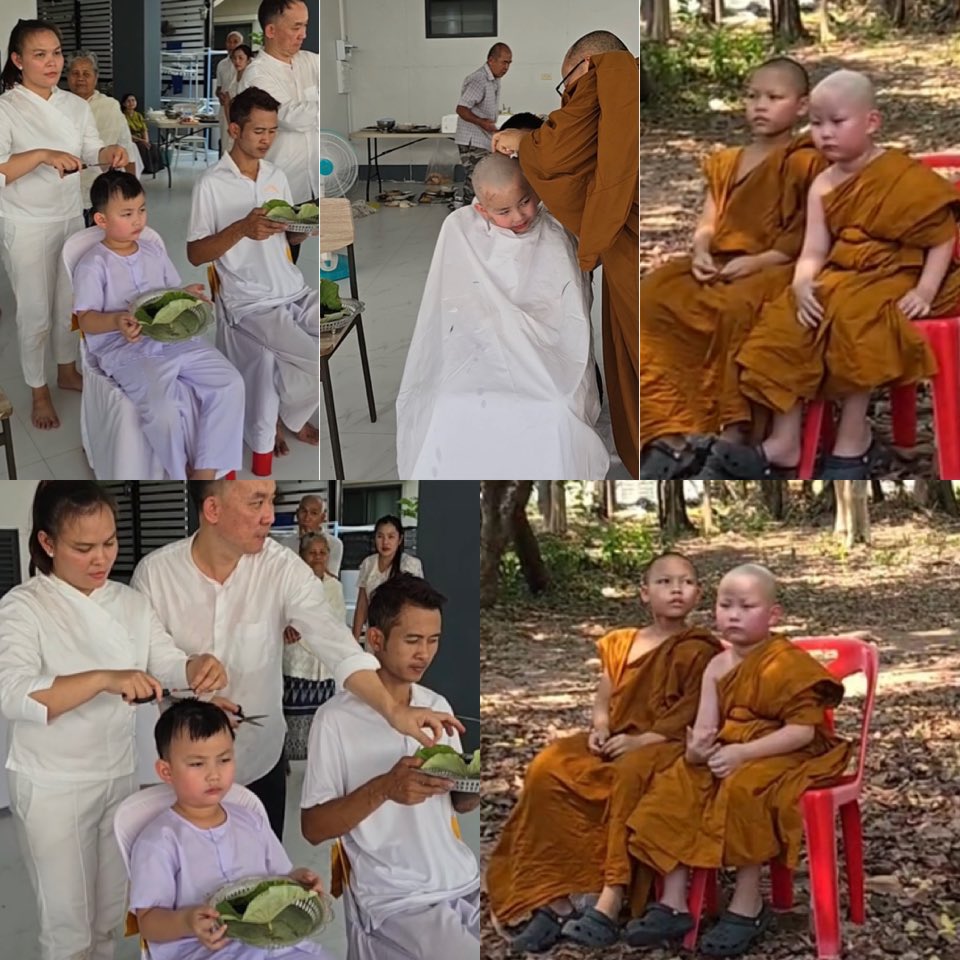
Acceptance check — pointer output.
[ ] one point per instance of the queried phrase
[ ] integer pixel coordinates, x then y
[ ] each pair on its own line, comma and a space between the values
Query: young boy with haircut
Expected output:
415, 883
759, 741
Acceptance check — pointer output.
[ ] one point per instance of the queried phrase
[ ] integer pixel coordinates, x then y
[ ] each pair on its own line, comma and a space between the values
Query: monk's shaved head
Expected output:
756, 574
849, 87
668, 556
793, 72
589, 45
496, 174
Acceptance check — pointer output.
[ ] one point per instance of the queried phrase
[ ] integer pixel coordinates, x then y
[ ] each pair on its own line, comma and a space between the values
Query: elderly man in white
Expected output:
226, 77
230, 589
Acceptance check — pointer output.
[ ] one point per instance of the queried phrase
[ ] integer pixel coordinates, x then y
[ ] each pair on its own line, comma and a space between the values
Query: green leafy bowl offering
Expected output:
171, 315
271, 912
443, 761
304, 218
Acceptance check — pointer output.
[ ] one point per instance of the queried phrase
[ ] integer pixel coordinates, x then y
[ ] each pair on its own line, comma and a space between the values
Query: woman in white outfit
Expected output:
46, 134
75, 649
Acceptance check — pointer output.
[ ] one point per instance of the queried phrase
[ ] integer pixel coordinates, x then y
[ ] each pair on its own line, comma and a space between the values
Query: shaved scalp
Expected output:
598, 41
667, 555
496, 172
850, 86
759, 574
497, 50
788, 67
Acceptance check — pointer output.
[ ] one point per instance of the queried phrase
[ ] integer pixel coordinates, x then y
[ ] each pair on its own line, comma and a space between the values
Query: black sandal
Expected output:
541, 933
660, 925
873, 460
736, 461
592, 929
660, 461
734, 934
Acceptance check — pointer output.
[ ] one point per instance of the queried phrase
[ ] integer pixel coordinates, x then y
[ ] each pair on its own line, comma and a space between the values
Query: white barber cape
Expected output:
499, 378
241, 622
50, 629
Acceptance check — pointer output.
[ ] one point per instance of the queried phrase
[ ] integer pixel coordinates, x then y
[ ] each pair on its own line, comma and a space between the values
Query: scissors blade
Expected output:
167, 695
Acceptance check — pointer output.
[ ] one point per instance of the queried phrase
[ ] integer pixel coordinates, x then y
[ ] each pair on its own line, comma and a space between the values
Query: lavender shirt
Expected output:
176, 864
104, 281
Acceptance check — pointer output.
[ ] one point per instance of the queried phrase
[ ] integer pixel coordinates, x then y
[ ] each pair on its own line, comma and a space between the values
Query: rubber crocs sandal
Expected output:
734, 934
541, 933
736, 461
660, 925
592, 929
873, 460
660, 461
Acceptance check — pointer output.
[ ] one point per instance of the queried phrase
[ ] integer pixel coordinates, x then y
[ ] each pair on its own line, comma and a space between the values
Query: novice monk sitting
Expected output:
500, 376
758, 743
567, 832
878, 253
696, 310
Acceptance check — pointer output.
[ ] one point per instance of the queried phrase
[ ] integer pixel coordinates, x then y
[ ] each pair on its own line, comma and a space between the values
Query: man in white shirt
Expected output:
292, 77
415, 883
230, 590
226, 75
261, 291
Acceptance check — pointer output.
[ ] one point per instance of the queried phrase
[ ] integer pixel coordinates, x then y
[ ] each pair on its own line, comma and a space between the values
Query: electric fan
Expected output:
338, 173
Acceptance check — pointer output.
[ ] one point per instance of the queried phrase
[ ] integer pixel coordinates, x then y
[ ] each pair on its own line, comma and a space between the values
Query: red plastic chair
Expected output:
820, 809
943, 335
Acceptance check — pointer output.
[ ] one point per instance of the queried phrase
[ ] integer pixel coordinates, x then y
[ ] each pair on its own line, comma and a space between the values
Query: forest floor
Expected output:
539, 671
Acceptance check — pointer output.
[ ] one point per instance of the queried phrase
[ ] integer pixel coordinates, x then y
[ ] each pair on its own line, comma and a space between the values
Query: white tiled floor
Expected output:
393, 250
18, 915
57, 454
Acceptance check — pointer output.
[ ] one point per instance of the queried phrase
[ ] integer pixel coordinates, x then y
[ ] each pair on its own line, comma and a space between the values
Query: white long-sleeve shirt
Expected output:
50, 629
296, 150
241, 622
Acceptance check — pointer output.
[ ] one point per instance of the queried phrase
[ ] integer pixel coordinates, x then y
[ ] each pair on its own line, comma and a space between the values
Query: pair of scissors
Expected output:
167, 695
255, 720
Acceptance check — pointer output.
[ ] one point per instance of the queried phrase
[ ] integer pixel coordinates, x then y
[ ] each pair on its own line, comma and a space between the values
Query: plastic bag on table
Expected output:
443, 164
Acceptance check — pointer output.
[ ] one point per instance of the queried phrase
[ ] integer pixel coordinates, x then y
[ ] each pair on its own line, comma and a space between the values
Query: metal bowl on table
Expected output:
386, 124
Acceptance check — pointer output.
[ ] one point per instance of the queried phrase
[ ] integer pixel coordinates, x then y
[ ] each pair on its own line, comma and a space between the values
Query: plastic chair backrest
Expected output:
852, 655
77, 244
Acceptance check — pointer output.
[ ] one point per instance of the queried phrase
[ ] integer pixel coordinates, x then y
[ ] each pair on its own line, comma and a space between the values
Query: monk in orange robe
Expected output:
567, 832
878, 253
583, 164
696, 311
760, 740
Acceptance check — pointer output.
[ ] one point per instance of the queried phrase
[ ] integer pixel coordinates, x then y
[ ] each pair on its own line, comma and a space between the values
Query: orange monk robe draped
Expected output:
883, 221
583, 164
689, 816
567, 832
690, 331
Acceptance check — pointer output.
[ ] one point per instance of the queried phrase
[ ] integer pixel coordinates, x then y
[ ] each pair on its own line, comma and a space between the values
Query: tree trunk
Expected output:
936, 495
785, 22
721, 491
557, 518
877, 490
707, 523
494, 533
853, 512
706, 12
897, 11
718, 11
610, 488
826, 34
646, 15
660, 24
773, 496
543, 500
671, 509
806, 489
524, 541
601, 506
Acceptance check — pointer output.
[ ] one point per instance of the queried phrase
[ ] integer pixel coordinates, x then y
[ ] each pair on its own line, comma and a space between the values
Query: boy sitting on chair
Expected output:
758, 742
159, 378
202, 843
415, 883
262, 293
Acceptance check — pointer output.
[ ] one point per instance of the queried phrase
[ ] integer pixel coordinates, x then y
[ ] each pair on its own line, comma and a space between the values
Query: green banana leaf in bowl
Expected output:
300, 219
171, 315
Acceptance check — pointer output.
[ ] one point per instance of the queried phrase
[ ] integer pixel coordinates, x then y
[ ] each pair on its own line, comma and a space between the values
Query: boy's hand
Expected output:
701, 743
702, 266
198, 290
724, 760
621, 744
597, 737
307, 879
739, 267
915, 304
204, 924
405, 784
128, 325
809, 308
256, 225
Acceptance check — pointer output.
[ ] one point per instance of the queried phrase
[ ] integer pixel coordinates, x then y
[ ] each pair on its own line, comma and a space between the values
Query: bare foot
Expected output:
43, 415
68, 378
280, 448
308, 433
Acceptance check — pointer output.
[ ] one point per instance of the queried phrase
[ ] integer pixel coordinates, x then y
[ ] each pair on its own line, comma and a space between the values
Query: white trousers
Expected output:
31, 256
443, 931
65, 834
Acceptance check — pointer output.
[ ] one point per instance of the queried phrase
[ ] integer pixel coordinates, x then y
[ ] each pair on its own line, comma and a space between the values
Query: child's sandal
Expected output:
659, 925
734, 934
592, 929
541, 933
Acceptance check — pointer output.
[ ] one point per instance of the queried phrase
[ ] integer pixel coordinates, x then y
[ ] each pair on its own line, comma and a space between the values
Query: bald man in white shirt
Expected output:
230, 590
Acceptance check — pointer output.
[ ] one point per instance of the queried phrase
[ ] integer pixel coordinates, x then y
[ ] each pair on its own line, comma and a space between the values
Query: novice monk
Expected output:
734, 800
502, 344
696, 310
878, 253
567, 831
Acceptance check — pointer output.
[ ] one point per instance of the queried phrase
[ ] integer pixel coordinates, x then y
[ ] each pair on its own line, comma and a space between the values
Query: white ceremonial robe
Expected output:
499, 378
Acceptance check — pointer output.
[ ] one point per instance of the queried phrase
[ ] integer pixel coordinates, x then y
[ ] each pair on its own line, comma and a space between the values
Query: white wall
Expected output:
10, 12
236, 10
399, 73
16, 499
333, 105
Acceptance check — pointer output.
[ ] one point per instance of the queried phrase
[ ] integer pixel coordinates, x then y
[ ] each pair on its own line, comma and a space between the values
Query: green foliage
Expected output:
626, 548
409, 506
